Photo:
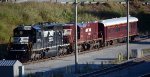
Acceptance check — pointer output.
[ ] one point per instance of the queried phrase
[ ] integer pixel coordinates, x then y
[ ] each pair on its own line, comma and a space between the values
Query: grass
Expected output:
12, 14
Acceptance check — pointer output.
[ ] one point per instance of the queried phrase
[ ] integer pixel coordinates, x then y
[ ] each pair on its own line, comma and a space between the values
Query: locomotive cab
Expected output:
22, 36
37, 41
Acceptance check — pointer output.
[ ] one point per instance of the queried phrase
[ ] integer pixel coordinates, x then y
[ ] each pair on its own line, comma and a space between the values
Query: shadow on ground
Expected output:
3, 51
83, 69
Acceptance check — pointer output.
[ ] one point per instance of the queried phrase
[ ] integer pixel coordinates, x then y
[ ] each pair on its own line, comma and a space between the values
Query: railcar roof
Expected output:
36, 27
83, 24
46, 24
115, 21
78, 24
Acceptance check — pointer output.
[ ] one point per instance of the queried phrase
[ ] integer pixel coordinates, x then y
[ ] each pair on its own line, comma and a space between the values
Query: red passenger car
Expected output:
116, 29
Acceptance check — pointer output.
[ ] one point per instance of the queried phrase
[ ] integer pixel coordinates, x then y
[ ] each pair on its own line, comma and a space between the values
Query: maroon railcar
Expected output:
98, 34
88, 35
116, 29
69, 33
88, 31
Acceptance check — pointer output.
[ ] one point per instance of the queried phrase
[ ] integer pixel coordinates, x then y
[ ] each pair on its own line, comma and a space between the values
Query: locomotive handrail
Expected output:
29, 45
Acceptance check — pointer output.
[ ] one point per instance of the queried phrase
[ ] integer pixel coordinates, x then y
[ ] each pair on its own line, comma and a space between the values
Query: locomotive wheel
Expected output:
69, 49
132, 38
60, 51
65, 51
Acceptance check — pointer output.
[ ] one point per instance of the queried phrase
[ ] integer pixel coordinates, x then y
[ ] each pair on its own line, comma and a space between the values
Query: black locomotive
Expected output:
37, 41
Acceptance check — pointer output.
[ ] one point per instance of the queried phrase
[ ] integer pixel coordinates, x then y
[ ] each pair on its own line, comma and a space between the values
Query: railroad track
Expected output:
83, 52
117, 67
72, 54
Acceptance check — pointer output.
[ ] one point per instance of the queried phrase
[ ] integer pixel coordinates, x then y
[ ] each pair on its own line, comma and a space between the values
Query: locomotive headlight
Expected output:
22, 48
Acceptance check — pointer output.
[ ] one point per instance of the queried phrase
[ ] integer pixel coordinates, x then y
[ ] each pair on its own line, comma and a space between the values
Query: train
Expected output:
47, 39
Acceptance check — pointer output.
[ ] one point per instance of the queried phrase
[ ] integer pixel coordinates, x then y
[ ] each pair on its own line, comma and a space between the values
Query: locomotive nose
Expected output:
21, 40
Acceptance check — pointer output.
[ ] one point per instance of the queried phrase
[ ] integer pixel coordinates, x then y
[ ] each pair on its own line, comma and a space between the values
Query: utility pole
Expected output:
128, 29
76, 38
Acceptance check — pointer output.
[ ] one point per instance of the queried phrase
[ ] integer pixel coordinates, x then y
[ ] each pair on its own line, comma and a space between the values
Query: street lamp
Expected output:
76, 37
128, 29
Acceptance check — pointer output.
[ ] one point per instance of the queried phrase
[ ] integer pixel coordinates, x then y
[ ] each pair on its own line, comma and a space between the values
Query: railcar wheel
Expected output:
115, 41
107, 43
88, 46
132, 38
101, 44
111, 42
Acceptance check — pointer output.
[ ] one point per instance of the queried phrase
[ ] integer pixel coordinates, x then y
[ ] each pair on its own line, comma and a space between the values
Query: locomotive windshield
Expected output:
21, 36
22, 33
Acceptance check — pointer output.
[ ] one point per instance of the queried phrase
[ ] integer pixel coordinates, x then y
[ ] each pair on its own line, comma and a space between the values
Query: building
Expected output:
11, 68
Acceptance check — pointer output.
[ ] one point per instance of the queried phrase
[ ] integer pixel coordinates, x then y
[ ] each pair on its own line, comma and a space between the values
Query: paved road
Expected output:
93, 57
